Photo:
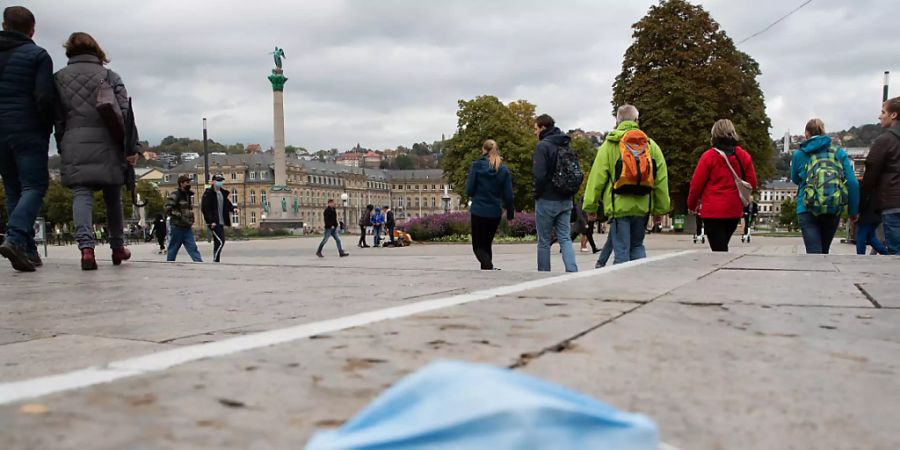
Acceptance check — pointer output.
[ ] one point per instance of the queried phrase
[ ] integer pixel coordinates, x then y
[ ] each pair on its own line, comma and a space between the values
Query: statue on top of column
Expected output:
278, 54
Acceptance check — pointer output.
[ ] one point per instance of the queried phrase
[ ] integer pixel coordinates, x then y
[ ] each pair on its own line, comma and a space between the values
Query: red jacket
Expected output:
713, 188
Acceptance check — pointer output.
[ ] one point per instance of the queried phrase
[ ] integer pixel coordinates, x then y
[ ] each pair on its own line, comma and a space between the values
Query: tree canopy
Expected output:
683, 73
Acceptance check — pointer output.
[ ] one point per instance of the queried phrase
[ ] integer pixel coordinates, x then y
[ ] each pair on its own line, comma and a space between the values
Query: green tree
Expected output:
683, 73
483, 118
403, 162
155, 203
586, 151
57, 207
787, 217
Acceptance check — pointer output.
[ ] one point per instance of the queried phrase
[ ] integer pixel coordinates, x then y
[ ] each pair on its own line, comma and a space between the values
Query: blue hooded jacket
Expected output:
378, 218
490, 190
801, 157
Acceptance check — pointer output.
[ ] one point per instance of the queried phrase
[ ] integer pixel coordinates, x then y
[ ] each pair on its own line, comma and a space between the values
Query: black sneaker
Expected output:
35, 259
16, 256
320, 255
344, 254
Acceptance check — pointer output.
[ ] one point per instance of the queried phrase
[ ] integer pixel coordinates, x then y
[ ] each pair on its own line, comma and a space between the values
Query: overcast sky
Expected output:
389, 72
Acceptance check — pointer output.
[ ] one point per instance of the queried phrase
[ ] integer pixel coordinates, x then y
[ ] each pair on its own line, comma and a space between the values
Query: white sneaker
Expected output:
585, 249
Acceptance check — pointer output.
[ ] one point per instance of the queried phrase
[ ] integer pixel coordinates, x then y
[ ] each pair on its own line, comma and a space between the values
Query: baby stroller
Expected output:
700, 234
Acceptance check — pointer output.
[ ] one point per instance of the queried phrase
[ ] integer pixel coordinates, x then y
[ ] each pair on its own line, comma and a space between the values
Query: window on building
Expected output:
234, 199
192, 176
263, 175
433, 187
235, 220
252, 197
262, 197
233, 176
252, 217
417, 202
433, 202
407, 187
168, 177
252, 175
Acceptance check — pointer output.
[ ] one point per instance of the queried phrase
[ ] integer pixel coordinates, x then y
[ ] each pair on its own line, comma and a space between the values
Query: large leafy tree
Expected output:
683, 73
486, 117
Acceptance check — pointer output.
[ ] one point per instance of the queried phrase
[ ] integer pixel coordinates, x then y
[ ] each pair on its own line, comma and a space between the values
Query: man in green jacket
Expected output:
628, 211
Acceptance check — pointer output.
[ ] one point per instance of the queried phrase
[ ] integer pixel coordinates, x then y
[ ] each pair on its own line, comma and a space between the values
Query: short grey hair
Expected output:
626, 112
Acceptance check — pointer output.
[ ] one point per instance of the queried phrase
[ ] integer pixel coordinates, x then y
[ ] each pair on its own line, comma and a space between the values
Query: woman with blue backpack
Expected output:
827, 187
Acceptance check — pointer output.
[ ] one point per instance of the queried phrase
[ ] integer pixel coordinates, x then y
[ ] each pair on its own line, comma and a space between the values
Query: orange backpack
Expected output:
634, 169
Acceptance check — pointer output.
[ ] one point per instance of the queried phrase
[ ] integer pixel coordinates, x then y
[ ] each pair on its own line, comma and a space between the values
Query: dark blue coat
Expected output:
27, 89
490, 190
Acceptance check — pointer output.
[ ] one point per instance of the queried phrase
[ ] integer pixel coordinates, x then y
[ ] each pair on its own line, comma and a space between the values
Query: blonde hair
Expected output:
815, 127
722, 129
493, 154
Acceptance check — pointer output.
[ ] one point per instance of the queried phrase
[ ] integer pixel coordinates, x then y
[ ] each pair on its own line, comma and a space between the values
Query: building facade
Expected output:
770, 198
248, 179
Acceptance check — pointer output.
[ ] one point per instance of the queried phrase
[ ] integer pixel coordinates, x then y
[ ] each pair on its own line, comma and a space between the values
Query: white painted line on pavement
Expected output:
20, 390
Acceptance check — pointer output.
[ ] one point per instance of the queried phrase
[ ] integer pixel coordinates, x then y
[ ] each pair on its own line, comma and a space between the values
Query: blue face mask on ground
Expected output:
219, 184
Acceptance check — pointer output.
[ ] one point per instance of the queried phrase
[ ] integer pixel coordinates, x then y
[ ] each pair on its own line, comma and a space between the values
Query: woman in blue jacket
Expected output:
819, 221
489, 187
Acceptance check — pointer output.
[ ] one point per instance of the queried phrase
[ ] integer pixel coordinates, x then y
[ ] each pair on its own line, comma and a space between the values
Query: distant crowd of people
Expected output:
85, 105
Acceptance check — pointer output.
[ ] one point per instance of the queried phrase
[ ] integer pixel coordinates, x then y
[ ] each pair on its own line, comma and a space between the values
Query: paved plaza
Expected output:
761, 348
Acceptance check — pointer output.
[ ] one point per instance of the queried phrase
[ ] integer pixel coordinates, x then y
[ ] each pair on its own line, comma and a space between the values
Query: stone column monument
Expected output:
279, 213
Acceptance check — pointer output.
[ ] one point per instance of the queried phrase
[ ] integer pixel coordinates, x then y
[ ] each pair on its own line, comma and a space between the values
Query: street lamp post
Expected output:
887, 79
446, 199
205, 153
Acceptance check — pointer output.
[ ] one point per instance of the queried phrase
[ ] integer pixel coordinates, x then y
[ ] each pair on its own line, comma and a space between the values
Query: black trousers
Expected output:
161, 240
362, 237
218, 235
718, 232
483, 231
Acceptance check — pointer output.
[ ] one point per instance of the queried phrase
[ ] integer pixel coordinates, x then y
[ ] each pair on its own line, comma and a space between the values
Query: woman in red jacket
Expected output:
713, 185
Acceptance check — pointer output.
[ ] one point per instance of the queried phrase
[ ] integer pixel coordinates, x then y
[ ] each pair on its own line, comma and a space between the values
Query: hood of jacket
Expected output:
727, 145
555, 136
11, 39
616, 135
815, 144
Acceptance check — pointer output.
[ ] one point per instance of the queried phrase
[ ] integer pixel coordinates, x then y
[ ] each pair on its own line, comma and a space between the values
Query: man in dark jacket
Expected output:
331, 230
552, 208
179, 207
27, 99
389, 222
881, 182
217, 210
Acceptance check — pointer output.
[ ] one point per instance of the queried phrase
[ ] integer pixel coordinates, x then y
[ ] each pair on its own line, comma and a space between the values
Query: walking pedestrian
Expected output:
27, 105
629, 174
489, 187
390, 223
826, 186
217, 209
715, 186
331, 230
159, 230
866, 228
881, 182
377, 223
92, 157
179, 207
553, 207
365, 221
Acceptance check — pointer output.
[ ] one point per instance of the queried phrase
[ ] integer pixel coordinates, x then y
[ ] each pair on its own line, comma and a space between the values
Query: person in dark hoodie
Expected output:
217, 209
818, 217
552, 209
714, 187
489, 187
27, 105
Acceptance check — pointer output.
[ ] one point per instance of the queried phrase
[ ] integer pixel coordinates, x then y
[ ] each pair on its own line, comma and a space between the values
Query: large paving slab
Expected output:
745, 376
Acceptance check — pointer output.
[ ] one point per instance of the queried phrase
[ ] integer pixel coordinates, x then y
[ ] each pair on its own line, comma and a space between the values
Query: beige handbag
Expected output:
745, 189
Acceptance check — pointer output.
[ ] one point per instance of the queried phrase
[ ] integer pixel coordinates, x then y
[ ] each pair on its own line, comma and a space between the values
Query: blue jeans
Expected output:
376, 230
390, 232
179, 236
606, 252
23, 166
865, 235
550, 215
331, 232
891, 223
818, 231
627, 234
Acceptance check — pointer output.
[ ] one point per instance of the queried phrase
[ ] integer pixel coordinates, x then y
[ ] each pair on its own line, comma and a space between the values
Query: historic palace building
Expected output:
248, 178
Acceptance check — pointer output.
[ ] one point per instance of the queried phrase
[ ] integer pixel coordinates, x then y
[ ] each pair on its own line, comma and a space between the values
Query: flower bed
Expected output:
459, 224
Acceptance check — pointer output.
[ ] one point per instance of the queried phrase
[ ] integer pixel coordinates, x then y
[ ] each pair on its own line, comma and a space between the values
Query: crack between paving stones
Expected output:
526, 358
868, 296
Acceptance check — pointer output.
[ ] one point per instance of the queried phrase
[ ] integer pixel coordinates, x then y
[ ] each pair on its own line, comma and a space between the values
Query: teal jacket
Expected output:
813, 145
